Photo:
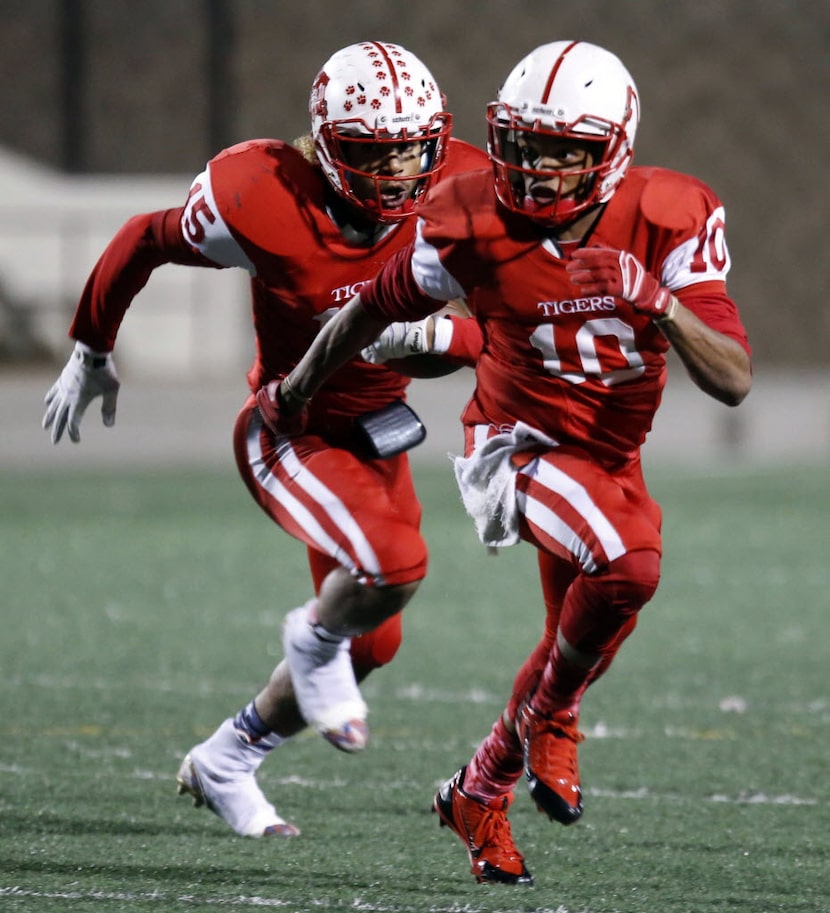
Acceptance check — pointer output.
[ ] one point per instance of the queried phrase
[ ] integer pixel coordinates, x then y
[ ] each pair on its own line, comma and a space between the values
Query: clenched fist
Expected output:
281, 417
602, 271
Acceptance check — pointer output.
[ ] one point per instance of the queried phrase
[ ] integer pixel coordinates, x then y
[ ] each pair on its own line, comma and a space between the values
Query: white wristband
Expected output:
88, 357
442, 328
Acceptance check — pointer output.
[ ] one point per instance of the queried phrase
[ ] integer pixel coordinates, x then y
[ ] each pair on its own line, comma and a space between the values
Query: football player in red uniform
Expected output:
311, 222
583, 272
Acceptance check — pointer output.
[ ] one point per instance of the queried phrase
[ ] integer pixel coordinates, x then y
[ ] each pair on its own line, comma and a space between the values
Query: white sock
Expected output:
229, 754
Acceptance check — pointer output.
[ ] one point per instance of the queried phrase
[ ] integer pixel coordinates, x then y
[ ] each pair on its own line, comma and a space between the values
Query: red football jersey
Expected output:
584, 370
262, 207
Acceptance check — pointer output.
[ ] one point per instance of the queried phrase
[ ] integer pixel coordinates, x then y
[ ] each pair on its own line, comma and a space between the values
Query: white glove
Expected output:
87, 374
400, 340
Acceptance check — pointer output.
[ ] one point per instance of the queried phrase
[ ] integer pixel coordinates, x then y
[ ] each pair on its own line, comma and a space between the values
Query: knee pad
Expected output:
600, 606
631, 579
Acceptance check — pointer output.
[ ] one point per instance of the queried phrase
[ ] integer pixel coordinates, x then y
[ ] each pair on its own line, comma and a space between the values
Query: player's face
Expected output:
557, 166
395, 161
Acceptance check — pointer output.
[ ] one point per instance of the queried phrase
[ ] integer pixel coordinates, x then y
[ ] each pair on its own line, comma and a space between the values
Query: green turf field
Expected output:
139, 610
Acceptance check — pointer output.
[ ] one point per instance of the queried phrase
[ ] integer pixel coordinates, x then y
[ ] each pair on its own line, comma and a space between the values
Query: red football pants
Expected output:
598, 537
359, 514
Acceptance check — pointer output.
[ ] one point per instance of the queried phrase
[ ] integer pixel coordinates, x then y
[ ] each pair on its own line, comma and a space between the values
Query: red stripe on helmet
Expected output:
555, 70
393, 72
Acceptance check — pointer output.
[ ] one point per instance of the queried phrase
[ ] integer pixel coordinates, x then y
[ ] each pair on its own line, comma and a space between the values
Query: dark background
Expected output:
736, 92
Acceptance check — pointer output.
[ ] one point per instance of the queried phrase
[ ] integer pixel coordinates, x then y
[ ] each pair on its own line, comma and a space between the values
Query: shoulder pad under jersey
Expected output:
260, 185
463, 156
457, 202
674, 201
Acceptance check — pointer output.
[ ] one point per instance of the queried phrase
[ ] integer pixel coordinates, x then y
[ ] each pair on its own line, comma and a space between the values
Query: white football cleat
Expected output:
324, 683
235, 798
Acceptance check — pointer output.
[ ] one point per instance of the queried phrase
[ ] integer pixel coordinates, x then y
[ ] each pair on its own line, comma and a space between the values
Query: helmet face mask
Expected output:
560, 94
384, 175
379, 128
553, 187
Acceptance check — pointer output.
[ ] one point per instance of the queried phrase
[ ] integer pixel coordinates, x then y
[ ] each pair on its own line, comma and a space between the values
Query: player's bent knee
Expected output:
402, 557
633, 577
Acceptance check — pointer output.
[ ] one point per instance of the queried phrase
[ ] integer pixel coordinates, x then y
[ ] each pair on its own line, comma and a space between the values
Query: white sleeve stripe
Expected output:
216, 241
712, 262
429, 272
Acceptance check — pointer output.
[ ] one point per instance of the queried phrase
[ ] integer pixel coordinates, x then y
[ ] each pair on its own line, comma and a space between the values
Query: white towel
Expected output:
487, 482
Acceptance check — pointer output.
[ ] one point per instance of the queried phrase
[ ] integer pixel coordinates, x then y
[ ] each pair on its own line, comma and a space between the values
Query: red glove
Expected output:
600, 271
275, 412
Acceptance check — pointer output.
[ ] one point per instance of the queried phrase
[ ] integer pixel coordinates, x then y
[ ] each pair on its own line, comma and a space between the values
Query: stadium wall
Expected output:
734, 92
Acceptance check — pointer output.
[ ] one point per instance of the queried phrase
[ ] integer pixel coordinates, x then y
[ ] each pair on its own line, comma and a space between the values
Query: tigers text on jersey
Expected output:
583, 370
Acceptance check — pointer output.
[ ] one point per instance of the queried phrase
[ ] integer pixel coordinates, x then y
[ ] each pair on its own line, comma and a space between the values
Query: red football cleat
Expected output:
549, 749
484, 830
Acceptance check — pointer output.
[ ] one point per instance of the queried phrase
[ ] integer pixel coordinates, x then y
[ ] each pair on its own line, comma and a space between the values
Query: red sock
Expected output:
561, 685
496, 765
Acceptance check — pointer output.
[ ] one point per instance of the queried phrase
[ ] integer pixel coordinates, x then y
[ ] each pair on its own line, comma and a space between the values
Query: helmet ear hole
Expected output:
427, 156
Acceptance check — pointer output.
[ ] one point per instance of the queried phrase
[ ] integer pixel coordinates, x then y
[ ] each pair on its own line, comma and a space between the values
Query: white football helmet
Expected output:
572, 90
376, 93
